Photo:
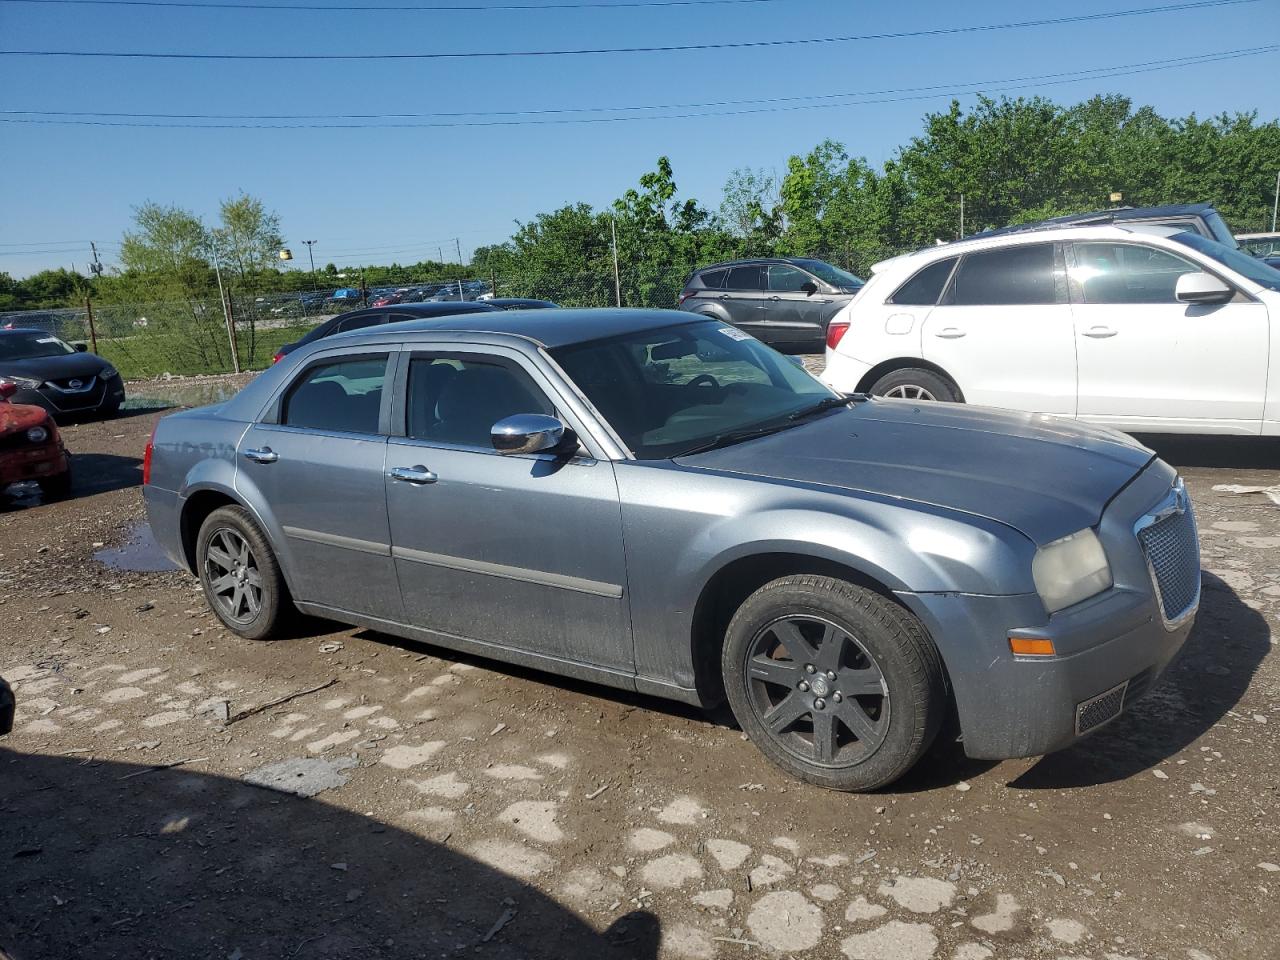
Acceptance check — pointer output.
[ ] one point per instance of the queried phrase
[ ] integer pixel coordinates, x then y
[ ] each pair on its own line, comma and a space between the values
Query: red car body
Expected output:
44, 460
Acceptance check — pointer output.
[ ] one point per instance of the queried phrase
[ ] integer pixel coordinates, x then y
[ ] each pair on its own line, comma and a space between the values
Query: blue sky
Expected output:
379, 195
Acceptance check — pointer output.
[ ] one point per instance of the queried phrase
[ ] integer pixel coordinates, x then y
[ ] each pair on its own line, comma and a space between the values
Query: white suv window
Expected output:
1008, 275
1127, 273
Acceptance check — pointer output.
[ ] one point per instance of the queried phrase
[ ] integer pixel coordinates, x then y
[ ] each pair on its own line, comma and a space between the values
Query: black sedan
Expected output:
358, 319
50, 373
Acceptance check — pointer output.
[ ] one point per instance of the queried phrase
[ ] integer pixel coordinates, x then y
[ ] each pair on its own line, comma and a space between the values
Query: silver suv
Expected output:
787, 303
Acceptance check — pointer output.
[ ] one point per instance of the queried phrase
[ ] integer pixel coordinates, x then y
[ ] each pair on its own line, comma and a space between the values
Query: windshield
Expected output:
1268, 246
672, 390
1242, 263
832, 275
28, 346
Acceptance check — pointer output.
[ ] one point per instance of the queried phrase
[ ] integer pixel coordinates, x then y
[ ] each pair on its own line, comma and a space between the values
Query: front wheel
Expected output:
914, 383
834, 683
240, 575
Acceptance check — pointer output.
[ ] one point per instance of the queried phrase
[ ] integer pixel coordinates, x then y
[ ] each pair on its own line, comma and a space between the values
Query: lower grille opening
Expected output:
1096, 711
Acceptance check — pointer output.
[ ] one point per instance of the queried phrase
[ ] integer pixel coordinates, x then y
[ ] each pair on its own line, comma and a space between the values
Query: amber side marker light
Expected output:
1031, 646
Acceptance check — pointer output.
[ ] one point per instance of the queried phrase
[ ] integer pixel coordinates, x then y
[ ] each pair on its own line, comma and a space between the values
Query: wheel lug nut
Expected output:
819, 704
803, 686
837, 696
808, 668
831, 674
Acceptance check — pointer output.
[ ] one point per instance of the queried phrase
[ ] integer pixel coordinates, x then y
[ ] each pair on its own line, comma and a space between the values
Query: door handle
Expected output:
775, 298
265, 455
1100, 333
417, 475
950, 333
724, 296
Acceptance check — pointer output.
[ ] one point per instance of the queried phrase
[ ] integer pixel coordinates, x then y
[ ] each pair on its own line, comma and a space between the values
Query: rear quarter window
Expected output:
713, 279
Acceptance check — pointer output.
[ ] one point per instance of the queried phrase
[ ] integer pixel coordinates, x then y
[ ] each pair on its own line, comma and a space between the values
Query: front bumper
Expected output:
101, 395
33, 463
1110, 649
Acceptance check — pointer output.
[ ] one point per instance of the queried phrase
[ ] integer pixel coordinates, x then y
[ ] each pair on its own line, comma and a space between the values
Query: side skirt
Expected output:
496, 651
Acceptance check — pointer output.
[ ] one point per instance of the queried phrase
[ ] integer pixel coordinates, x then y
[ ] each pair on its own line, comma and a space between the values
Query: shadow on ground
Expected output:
106, 860
1226, 646
91, 473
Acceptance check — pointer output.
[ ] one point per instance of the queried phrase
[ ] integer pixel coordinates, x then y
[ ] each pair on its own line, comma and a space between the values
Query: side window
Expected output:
745, 278
925, 287
784, 279
458, 401
1010, 275
713, 279
1127, 273
345, 396
360, 322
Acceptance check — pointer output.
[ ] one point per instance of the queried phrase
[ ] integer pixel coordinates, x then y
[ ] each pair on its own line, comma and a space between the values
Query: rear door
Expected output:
317, 462
743, 297
1148, 361
1003, 330
521, 552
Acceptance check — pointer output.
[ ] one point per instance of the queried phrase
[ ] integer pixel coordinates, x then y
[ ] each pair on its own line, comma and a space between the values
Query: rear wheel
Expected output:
915, 383
240, 575
834, 683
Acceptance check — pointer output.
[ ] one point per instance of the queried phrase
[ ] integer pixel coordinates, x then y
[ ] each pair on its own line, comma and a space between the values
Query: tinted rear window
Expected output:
745, 278
926, 286
713, 279
1011, 275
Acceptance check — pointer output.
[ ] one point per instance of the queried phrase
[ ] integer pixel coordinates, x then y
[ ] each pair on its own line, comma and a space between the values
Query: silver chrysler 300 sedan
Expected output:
664, 504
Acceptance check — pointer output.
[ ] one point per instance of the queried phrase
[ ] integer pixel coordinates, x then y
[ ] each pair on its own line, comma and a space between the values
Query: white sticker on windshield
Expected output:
733, 333
47, 340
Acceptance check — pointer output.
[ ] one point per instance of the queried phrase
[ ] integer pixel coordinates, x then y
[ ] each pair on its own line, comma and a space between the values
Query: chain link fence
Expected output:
208, 336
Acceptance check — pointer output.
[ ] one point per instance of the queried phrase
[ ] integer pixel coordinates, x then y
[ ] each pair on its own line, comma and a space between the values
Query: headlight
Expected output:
108, 372
24, 383
1070, 570
37, 434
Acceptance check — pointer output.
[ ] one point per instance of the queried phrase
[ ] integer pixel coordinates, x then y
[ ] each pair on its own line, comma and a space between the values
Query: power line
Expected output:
400, 8
599, 51
1089, 73
1046, 80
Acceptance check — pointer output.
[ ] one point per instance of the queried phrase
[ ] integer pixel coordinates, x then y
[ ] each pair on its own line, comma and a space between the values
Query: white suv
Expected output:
1144, 328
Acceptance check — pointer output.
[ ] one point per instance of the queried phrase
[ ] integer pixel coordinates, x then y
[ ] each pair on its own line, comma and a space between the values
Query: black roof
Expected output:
551, 328
440, 308
1115, 215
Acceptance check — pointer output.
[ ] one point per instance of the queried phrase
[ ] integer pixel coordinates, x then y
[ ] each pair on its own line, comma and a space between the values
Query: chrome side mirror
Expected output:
1201, 287
528, 433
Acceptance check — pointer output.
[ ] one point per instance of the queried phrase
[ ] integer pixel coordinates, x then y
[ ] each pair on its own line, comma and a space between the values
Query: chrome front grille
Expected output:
1168, 538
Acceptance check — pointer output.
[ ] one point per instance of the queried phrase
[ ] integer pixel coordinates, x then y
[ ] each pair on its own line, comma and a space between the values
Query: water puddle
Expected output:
140, 554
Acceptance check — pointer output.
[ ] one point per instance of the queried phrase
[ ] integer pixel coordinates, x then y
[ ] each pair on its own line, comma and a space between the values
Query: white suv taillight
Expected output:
835, 332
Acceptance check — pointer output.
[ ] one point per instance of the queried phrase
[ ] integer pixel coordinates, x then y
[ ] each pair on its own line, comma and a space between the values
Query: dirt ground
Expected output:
474, 809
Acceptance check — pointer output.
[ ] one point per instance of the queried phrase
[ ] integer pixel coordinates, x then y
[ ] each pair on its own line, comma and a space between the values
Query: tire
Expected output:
914, 383
871, 645
57, 487
256, 604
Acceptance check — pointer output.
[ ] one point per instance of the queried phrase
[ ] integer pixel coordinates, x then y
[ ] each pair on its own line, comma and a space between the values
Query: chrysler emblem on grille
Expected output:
75, 384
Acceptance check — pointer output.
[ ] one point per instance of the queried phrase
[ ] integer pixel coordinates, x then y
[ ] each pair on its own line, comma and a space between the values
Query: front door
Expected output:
522, 552
1003, 332
1148, 361
796, 308
319, 468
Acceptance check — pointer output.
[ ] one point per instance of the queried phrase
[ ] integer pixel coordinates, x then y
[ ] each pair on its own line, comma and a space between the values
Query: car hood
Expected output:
1045, 476
15, 417
55, 368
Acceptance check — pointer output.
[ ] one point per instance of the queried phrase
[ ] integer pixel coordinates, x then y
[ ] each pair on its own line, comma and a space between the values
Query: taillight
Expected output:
277, 358
835, 332
146, 456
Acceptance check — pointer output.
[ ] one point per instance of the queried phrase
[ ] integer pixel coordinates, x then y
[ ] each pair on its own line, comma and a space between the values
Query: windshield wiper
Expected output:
735, 436
827, 403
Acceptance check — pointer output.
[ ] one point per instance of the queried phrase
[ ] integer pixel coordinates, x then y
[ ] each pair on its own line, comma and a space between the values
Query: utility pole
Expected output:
1275, 204
457, 245
226, 312
312, 258
617, 276
96, 267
